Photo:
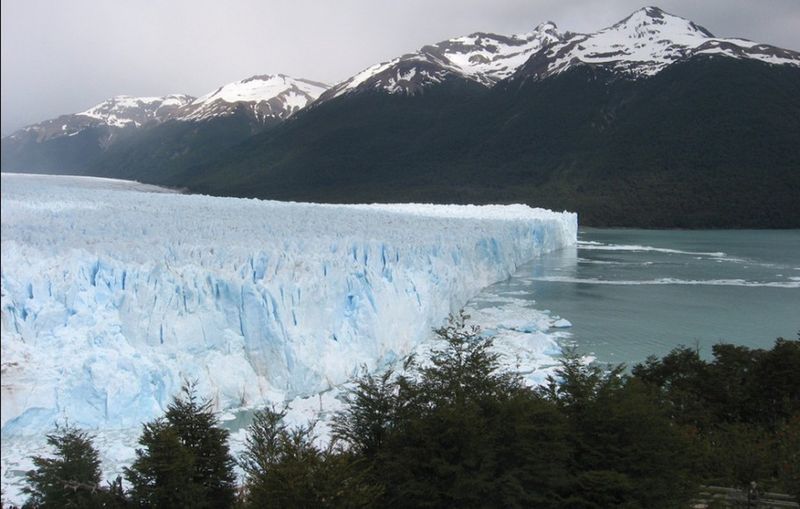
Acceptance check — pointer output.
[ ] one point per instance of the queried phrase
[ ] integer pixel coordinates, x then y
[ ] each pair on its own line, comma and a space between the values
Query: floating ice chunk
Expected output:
562, 323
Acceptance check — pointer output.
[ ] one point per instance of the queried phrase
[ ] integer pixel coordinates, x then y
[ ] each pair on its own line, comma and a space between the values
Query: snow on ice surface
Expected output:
112, 295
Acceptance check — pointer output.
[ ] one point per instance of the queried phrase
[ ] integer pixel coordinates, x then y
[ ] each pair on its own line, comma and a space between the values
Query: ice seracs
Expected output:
113, 294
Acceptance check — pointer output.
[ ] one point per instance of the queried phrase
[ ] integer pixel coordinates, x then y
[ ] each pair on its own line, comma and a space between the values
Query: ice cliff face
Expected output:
113, 293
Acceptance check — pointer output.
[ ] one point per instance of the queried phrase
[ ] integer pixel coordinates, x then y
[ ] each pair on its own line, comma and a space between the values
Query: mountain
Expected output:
650, 122
642, 44
118, 112
207, 127
67, 143
263, 98
482, 58
132, 129
645, 43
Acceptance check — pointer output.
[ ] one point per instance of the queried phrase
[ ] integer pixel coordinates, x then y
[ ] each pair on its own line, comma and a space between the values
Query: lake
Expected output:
632, 293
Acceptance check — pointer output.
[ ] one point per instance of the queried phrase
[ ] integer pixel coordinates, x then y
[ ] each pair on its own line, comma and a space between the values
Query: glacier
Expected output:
114, 293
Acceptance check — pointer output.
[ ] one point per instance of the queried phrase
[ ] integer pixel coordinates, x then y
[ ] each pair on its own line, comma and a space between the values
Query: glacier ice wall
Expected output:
113, 292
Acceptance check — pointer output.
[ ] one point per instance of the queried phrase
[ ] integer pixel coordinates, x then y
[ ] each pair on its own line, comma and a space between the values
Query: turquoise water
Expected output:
632, 293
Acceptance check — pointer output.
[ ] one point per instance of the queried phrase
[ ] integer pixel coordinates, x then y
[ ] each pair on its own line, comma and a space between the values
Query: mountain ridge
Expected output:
559, 119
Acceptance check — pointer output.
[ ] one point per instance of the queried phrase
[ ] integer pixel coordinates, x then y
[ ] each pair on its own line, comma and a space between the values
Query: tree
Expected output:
743, 407
626, 450
184, 460
370, 412
464, 369
284, 468
457, 431
69, 479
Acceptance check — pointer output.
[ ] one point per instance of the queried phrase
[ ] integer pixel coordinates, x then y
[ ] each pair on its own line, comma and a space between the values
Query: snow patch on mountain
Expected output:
119, 112
480, 57
112, 295
488, 58
124, 110
641, 45
264, 97
644, 44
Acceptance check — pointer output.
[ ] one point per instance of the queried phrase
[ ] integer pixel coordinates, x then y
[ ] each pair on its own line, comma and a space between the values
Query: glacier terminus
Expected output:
115, 292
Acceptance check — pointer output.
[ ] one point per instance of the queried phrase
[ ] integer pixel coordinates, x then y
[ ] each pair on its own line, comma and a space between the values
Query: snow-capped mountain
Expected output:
74, 143
118, 112
640, 45
123, 110
480, 57
261, 98
265, 97
645, 43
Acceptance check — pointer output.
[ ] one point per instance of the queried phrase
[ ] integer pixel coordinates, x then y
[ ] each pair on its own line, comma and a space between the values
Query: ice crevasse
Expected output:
113, 292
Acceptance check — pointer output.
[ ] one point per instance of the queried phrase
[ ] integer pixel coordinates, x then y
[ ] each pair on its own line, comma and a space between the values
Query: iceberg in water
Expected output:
114, 292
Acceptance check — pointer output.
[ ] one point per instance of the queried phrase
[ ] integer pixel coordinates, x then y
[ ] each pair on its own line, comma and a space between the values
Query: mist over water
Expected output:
633, 293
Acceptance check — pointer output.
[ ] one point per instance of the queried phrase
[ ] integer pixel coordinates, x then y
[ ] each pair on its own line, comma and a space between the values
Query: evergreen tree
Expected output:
625, 449
457, 432
369, 415
284, 468
69, 479
184, 460
743, 407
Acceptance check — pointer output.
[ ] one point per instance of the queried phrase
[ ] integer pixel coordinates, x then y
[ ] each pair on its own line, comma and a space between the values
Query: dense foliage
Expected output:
184, 460
458, 431
705, 143
743, 407
69, 479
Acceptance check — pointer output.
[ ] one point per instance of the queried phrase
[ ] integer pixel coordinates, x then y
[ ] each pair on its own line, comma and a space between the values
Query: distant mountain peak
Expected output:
640, 45
653, 20
548, 28
118, 112
643, 44
265, 97
126, 110
481, 57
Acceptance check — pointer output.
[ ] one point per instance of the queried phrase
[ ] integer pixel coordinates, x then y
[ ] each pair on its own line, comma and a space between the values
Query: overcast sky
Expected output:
64, 56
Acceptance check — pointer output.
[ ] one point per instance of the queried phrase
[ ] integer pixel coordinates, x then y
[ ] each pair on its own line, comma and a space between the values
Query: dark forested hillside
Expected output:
711, 142
706, 142
157, 154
